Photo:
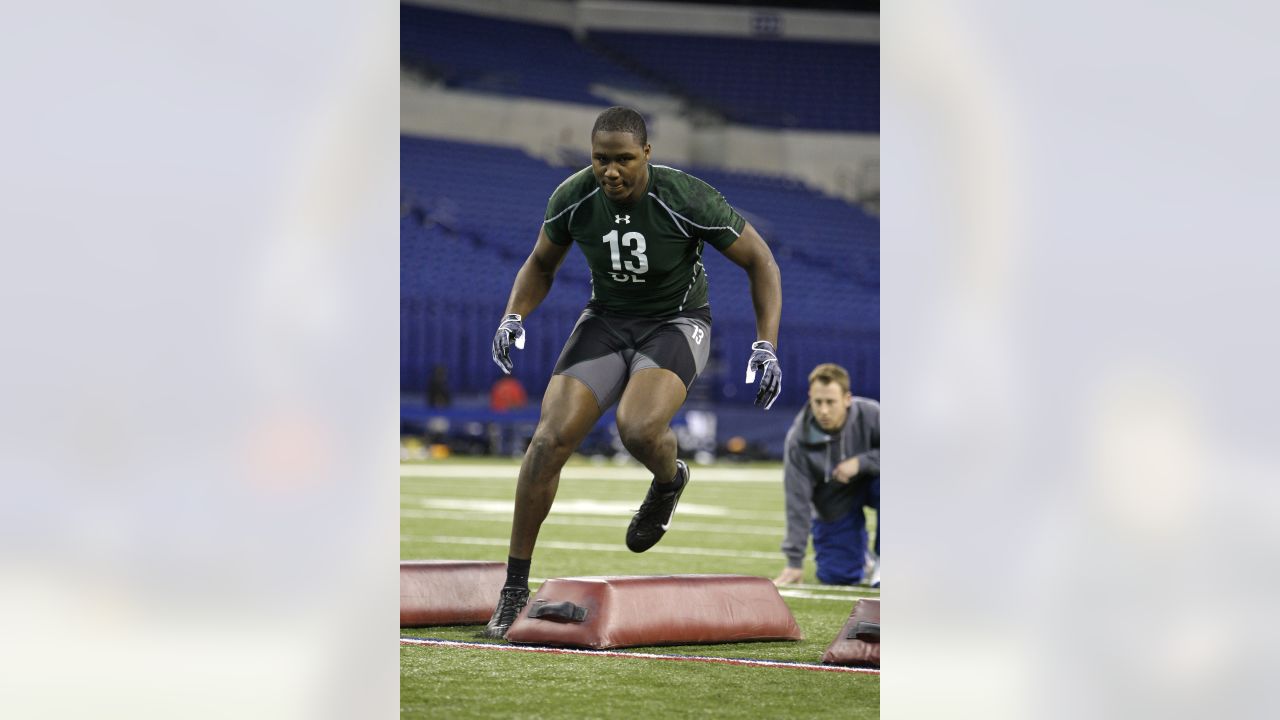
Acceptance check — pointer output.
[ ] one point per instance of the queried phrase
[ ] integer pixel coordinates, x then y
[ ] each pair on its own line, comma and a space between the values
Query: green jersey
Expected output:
645, 258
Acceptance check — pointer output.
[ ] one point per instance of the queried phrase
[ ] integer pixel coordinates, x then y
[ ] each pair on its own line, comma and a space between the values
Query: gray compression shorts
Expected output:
605, 350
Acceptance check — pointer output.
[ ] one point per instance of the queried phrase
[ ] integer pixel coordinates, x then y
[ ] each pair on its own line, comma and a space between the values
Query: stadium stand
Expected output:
755, 81
764, 82
515, 58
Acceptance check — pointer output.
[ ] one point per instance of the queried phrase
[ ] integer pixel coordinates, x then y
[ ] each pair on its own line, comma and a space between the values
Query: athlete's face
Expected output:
621, 165
830, 405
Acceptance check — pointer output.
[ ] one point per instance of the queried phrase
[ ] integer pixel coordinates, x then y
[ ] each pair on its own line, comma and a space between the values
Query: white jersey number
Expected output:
634, 242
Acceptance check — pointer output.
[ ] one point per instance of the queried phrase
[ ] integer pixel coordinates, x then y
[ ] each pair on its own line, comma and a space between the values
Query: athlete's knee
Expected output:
642, 437
549, 446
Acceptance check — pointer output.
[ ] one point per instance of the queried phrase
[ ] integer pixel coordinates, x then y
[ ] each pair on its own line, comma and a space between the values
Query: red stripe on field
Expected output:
642, 656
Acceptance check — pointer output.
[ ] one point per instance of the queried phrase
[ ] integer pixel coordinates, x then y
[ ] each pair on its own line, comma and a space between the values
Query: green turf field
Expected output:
729, 521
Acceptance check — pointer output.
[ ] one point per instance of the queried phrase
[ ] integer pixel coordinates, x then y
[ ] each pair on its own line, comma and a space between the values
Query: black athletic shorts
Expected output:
605, 350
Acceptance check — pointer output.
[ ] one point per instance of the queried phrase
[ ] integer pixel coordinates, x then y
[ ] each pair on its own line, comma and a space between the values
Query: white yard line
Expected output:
582, 506
504, 516
791, 591
718, 474
597, 547
802, 595
636, 655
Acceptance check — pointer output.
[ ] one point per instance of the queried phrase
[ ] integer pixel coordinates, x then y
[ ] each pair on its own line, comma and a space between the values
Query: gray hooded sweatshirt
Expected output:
811, 455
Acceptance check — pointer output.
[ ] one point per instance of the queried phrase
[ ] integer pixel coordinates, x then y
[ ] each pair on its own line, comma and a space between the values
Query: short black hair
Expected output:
622, 119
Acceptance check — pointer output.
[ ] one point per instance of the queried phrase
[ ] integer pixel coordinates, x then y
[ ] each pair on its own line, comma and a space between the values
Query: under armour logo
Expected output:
621, 218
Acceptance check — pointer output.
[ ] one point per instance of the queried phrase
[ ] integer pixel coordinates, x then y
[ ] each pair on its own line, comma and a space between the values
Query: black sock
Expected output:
676, 483
517, 572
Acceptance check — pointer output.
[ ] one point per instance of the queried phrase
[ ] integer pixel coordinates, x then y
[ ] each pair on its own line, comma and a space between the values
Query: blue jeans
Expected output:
840, 546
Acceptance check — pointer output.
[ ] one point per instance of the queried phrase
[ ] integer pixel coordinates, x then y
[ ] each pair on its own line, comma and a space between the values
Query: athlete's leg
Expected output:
648, 403
588, 371
663, 367
650, 400
569, 411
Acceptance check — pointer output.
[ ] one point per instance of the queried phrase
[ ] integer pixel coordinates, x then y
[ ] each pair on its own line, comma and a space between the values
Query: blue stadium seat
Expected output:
485, 54
762, 82
769, 82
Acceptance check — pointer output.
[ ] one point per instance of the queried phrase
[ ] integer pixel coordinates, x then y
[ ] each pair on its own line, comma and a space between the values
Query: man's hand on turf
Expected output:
789, 576
764, 361
511, 330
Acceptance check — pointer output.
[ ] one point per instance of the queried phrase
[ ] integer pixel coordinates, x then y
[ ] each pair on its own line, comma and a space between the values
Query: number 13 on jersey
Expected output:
634, 242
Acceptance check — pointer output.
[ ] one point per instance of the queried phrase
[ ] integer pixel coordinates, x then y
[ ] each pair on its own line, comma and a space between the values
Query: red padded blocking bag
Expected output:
612, 612
449, 592
858, 642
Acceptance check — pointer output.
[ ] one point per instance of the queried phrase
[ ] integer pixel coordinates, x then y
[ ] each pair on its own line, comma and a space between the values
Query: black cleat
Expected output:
654, 517
510, 603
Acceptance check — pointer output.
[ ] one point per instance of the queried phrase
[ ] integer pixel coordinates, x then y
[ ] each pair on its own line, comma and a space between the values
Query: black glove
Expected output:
510, 329
763, 359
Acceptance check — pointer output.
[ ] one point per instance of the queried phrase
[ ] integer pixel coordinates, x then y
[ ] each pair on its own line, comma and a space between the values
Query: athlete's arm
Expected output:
533, 282
750, 253
530, 288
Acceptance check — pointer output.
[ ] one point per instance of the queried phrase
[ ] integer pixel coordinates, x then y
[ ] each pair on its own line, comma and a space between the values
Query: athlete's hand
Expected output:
764, 361
511, 329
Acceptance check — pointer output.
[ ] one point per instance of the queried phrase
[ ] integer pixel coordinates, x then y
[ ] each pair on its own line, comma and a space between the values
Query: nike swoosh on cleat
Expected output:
667, 524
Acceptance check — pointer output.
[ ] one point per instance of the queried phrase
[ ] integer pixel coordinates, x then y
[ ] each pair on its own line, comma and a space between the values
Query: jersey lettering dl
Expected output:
645, 258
